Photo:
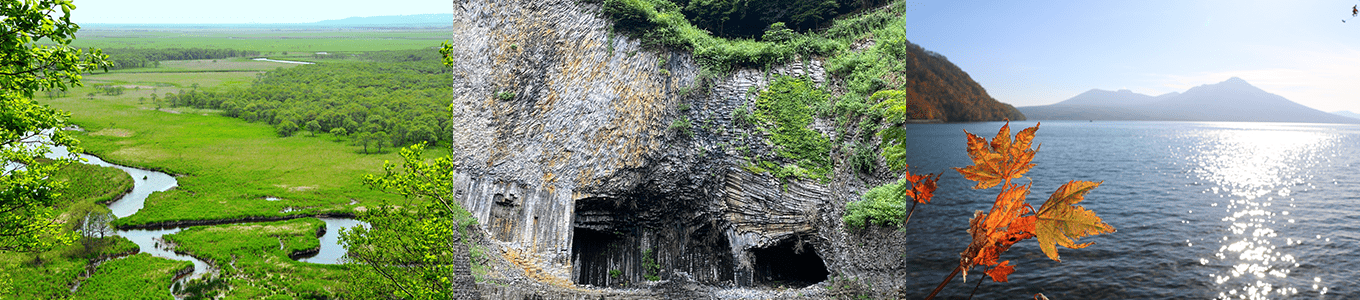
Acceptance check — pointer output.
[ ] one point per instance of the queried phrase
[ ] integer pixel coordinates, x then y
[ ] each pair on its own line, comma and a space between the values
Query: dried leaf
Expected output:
1001, 159
1060, 221
999, 272
995, 232
922, 186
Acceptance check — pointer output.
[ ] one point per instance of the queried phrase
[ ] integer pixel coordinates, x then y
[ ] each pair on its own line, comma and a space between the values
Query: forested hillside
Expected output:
388, 99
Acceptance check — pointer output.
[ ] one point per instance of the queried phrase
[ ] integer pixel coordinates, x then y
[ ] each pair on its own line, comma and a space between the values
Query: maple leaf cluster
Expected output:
1057, 222
922, 186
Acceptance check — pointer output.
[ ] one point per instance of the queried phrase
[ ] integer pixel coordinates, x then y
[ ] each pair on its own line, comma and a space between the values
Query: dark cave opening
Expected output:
788, 263
623, 242
598, 258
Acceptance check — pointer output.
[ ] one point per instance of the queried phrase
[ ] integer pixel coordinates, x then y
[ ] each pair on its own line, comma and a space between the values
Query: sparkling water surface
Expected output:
1224, 210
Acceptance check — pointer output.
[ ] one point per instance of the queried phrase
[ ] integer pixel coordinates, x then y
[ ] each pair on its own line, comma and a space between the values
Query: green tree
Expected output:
407, 251
29, 130
338, 132
363, 139
351, 125
313, 126
287, 128
379, 139
405, 254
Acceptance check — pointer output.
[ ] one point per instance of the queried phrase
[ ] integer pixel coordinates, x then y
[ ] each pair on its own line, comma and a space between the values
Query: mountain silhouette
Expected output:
1230, 100
1347, 113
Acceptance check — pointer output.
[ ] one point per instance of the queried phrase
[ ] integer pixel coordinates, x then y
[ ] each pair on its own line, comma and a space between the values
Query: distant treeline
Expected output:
398, 98
126, 58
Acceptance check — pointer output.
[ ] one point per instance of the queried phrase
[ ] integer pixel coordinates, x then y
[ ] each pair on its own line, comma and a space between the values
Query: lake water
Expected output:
1203, 210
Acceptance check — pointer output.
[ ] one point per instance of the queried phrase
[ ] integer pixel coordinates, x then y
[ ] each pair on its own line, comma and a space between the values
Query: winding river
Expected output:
150, 241
281, 61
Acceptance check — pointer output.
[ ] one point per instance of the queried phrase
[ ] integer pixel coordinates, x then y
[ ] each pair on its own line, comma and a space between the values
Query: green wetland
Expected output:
197, 163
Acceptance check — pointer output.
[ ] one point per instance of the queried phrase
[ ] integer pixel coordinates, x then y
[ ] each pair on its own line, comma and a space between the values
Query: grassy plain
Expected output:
268, 41
140, 276
259, 265
51, 279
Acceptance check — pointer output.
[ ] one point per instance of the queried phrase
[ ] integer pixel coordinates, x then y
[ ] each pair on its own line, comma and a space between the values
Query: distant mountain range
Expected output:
1231, 100
431, 19
1346, 113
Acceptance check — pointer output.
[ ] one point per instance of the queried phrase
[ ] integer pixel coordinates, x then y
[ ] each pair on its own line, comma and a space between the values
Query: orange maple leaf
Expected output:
999, 272
1000, 160
922, 186
995, 232
1059, 220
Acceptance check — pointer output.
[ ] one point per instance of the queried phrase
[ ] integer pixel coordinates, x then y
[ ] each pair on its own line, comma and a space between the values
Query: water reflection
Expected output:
1254, 169
332, 250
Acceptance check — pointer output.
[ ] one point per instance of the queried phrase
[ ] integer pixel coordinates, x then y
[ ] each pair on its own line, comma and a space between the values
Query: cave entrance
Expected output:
598, 257
788, 263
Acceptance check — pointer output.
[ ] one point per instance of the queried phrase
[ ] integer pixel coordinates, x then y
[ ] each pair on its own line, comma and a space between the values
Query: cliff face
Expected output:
563, 134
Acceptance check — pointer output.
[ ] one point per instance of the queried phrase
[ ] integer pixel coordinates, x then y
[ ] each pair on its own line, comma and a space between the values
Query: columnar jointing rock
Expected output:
562, 139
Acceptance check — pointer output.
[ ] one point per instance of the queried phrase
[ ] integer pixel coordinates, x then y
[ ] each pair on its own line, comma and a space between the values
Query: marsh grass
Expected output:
254, 259
91, 183
140, 276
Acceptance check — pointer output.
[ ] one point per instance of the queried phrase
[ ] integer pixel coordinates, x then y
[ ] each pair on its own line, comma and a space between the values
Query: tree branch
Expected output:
389, 277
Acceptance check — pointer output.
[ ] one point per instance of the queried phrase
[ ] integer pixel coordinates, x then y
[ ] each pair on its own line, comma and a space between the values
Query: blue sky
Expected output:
1041, 52
1023, 52
246, 11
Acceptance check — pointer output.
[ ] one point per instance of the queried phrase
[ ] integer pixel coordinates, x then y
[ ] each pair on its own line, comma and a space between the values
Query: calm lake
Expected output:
1203, 210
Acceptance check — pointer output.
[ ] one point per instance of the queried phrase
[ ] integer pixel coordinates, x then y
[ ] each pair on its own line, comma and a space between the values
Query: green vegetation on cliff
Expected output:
884, 205
784, 111
889, 61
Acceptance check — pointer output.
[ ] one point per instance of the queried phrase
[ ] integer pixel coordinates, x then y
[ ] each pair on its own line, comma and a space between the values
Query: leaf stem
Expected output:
904, 244
975, 288
946, 282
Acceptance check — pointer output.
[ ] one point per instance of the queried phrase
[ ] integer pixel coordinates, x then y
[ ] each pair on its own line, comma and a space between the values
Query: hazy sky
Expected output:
246, 11
1023, 52
1040, 52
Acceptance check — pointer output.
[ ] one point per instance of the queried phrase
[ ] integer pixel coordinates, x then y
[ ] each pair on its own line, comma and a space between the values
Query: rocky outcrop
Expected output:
566, 152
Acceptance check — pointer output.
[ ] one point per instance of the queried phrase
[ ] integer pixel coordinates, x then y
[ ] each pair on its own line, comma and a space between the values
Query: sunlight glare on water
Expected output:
1255, 167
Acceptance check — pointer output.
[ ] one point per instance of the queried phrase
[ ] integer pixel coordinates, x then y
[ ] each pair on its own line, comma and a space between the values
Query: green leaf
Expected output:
1060, 221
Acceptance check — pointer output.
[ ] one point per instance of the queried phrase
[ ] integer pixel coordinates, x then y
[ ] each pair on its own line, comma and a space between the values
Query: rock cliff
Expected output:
563, 132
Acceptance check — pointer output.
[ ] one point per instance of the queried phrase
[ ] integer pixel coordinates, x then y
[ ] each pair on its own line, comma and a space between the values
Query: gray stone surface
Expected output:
584, 148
